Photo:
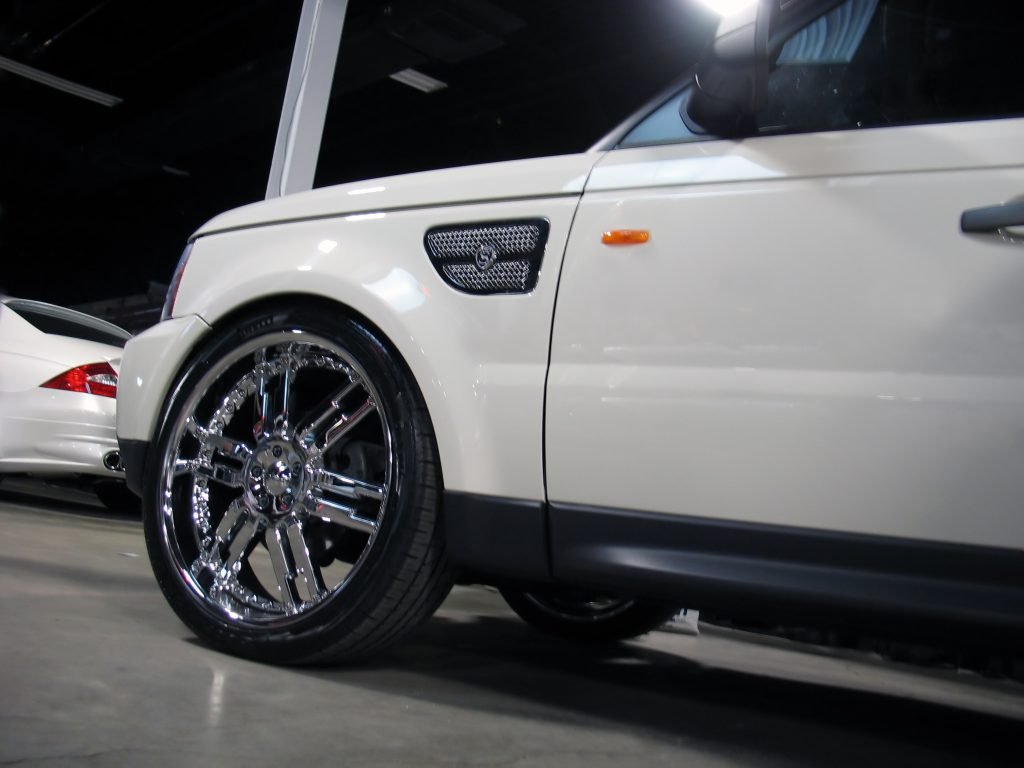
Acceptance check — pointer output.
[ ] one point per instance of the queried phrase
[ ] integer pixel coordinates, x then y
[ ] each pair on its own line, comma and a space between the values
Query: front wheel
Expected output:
291, 506
585, 617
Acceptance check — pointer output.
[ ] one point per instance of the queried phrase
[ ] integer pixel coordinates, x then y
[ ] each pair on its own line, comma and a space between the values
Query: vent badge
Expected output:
486, 255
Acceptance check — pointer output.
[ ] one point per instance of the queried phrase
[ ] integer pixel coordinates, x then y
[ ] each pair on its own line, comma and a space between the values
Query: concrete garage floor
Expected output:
95, 670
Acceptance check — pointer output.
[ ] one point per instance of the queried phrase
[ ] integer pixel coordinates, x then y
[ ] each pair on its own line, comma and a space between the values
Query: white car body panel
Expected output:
481, 361
152, 360
867, 376
513, 180
49, 430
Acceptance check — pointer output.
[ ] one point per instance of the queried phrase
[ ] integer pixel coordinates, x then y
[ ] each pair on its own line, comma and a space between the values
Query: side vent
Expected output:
489, 257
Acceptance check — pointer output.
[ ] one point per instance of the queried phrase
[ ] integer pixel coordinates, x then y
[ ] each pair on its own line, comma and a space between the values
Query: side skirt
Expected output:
776, 573
497, 538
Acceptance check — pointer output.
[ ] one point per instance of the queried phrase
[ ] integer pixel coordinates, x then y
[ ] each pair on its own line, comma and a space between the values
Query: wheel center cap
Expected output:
276, 477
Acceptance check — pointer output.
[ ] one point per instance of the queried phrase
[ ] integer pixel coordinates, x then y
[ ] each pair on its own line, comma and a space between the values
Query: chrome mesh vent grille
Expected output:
463, 243
504, 277
489, 257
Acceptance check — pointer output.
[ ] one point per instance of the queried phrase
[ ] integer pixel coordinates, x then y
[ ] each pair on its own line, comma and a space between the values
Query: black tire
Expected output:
584, 617
225, 498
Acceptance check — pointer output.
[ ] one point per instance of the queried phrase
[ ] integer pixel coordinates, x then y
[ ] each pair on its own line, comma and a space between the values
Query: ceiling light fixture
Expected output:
37, 75
416, 79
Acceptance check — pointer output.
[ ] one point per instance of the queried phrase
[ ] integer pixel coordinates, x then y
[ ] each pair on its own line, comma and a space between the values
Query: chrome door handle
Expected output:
992, 218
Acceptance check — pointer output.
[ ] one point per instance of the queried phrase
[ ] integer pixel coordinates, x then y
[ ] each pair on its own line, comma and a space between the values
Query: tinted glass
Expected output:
662, 126
874, 63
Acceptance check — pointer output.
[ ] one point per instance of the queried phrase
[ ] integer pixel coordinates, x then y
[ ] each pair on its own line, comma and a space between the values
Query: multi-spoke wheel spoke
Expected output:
219, 473
305, 570
348, 487
276, 379
277, 546
255, 483
242, 542
326, 412
293, 567
342, 514
229, 447
346, 423
233, 517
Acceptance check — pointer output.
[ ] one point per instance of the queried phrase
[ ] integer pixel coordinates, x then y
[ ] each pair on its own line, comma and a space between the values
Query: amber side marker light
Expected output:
626, 237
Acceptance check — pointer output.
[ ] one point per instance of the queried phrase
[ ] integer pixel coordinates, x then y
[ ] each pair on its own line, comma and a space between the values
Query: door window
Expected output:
875, 63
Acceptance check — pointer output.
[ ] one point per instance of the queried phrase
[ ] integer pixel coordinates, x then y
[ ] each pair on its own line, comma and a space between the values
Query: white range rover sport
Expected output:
761, 352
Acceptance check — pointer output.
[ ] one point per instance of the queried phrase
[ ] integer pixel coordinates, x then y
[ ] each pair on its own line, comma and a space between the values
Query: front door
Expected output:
808, 338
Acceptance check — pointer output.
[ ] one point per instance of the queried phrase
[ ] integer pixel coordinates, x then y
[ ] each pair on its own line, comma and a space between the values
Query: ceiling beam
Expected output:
306, 96
59, 83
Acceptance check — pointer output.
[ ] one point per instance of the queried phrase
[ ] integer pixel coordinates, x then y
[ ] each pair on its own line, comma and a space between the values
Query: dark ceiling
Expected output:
96, 201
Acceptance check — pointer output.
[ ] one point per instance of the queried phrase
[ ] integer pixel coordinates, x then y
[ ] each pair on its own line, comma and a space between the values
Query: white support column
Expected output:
305, 100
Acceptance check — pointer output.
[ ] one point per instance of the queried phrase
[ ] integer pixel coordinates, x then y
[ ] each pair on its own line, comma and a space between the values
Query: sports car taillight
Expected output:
93, 379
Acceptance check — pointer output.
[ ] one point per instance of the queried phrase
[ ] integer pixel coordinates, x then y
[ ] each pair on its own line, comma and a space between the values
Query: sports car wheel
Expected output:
585, 617
116, 497
295, 491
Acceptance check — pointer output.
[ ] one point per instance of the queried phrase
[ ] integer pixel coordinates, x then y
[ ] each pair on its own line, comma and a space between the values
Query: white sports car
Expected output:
58, 381
760, 351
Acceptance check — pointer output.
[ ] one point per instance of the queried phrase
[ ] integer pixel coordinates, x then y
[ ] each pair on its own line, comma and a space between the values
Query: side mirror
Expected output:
732, 76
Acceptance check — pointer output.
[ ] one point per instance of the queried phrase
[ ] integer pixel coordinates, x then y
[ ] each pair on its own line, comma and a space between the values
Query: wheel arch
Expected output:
269, 303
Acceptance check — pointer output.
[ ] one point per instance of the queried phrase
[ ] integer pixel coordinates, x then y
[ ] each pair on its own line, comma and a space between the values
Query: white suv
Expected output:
761, 351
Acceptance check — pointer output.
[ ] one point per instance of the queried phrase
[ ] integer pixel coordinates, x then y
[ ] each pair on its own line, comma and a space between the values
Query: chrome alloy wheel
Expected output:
275, 480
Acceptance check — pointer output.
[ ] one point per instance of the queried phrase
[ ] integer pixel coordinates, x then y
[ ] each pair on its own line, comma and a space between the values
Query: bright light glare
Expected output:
399, 290
728, 7
366, 190
326, 246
